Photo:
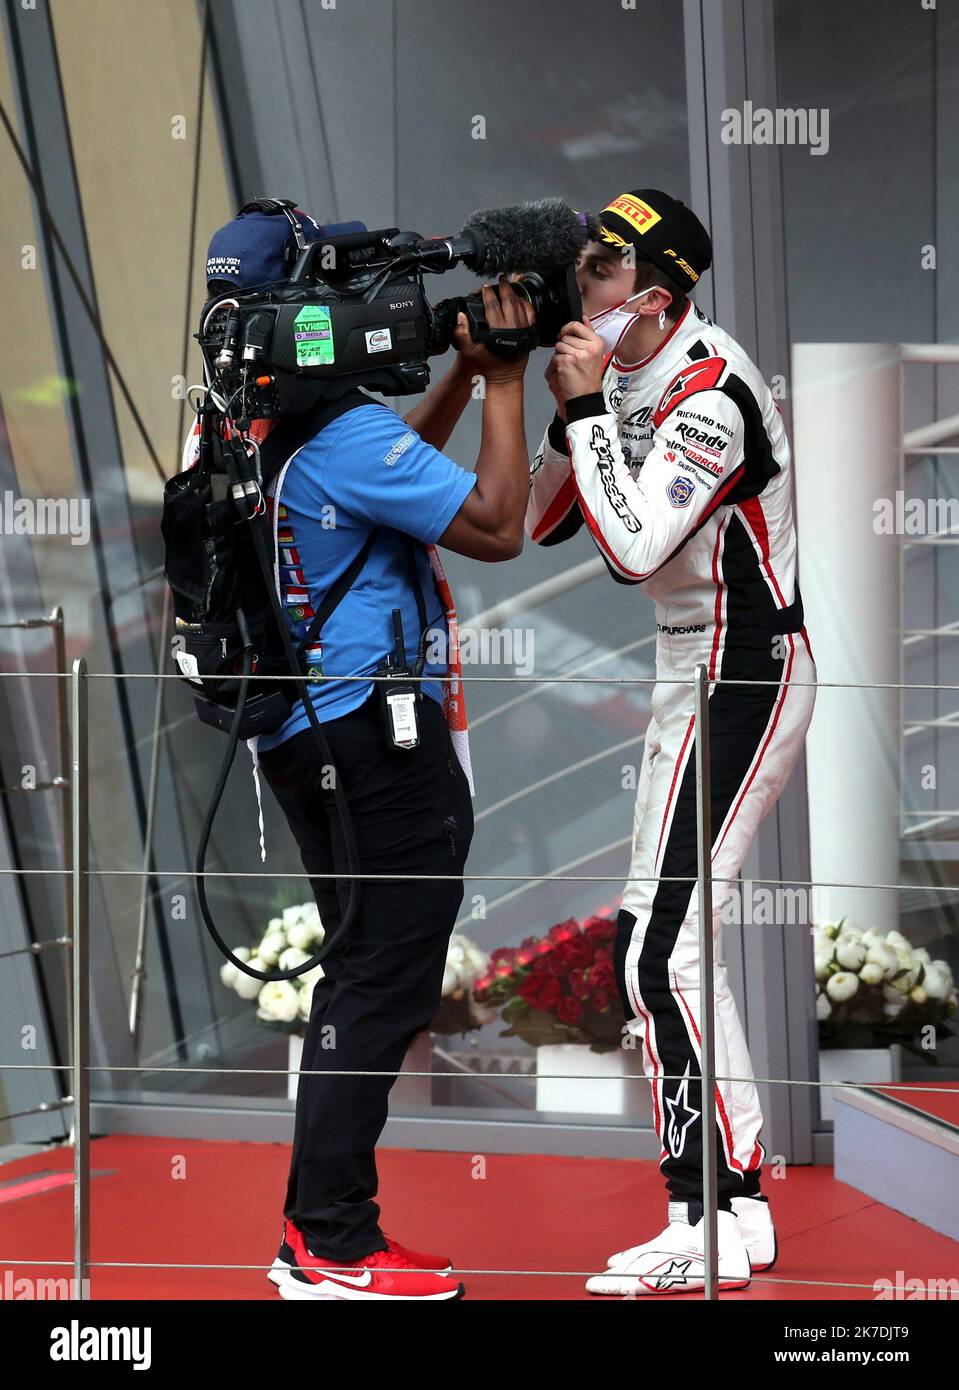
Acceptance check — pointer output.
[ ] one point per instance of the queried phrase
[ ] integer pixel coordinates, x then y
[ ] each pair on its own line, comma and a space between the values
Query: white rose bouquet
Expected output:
288, 941
874, 989
298, 933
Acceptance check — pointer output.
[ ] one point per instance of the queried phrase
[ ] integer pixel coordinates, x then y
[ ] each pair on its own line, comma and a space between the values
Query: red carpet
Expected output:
939, 1103
221, 1203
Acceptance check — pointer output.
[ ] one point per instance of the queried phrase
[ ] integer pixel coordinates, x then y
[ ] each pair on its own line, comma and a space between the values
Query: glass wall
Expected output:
554, 764
37, 572
458, 133
870, 246
453, 114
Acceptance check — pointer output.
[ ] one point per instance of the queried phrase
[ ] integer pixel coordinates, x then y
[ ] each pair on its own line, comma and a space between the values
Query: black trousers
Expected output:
411, 813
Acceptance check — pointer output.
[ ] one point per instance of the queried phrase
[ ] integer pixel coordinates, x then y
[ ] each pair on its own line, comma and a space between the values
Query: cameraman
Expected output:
371, 482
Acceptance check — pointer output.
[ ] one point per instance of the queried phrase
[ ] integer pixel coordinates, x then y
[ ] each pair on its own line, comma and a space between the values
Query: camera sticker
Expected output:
313, 335
379, 340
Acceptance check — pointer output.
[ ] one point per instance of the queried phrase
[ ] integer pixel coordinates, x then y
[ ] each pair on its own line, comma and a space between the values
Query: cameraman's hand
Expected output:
502, 308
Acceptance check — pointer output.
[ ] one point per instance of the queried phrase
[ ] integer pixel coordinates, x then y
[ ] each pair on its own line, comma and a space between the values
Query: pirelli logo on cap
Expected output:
634, 210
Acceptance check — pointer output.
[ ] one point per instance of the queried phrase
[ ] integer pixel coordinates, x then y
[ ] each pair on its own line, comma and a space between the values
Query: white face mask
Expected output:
611, 324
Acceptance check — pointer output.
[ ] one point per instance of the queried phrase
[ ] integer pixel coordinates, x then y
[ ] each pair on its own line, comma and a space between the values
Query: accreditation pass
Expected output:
402, 707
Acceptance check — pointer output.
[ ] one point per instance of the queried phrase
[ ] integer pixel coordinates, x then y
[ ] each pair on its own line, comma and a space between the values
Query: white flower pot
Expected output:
593, 1083
407, 1091
869, 1064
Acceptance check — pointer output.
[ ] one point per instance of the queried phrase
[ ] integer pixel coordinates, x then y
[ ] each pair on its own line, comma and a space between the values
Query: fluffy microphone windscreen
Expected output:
542, 235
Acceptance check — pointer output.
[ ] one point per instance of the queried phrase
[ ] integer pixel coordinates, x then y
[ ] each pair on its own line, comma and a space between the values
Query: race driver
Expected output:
668, 447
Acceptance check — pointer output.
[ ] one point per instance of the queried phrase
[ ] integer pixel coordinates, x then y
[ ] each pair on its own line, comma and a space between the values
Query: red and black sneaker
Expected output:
284, 1256
382, 1275
440, 1264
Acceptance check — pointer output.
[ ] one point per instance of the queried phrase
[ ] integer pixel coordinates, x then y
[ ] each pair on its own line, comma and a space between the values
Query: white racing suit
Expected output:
680, 469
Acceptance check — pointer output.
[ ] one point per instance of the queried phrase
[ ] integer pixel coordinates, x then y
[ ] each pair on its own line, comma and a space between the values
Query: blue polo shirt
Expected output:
366, 469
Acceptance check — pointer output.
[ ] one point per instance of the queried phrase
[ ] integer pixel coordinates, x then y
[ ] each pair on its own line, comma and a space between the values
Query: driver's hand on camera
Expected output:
579, 357
552, 381
502, 308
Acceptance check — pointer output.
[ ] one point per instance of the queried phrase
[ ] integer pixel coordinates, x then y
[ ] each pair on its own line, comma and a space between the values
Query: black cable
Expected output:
255, 522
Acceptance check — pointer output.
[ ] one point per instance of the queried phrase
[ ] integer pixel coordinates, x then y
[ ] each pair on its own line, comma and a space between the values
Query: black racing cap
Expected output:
662, 229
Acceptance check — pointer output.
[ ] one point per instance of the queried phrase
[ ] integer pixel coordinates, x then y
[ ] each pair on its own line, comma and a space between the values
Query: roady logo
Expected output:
709, 443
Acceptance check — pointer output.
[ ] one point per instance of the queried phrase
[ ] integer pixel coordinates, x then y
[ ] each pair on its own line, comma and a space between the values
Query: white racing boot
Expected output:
673, 1261
755, 1222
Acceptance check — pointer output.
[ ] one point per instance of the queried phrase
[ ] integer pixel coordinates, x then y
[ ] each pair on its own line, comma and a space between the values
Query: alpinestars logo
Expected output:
675, 388
604, 463
681, 1116
676, 1274
702, 375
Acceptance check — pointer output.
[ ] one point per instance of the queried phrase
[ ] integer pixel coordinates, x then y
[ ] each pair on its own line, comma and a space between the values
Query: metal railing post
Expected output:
63, 780
139, 962
704, 867
80, 957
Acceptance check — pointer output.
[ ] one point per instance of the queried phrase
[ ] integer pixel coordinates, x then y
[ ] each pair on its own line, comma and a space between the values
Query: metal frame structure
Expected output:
731, 56
920, 441
738, 191
79, 947
739, 40
81, 1066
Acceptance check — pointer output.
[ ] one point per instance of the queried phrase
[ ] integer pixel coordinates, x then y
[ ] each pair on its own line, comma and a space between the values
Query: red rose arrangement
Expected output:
559, 988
